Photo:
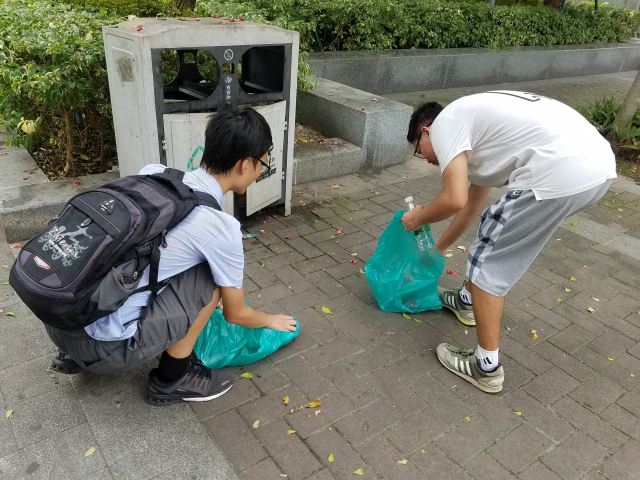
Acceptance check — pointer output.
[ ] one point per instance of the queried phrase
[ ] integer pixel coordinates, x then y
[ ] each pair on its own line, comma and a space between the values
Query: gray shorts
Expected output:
168, 320
513, 231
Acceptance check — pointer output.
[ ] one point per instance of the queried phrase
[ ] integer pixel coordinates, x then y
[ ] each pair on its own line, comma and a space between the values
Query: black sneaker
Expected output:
198, 384
63, 363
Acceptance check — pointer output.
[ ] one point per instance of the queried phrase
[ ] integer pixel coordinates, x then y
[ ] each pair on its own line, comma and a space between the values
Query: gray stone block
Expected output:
379, 127
316, 162
29, 379
523, 66
397, 71
41, 417
28, 208
63, 456
22, 338
470, 69
138, 441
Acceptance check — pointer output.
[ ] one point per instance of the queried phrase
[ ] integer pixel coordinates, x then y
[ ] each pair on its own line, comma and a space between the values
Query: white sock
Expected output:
488, 360
465, 296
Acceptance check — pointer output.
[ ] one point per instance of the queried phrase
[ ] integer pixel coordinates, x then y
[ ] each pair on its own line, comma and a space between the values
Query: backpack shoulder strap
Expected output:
206, 200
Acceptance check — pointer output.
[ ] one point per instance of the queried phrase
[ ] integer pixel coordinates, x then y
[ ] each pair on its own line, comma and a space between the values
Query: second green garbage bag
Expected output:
222, 344
402, 277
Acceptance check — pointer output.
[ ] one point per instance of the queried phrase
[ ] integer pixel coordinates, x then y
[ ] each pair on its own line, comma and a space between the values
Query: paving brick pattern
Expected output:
569, 408
385, 397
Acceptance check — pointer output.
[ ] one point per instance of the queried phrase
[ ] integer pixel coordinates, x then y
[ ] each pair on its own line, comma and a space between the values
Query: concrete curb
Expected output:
312, 162
377, 125
25, 210
397, 71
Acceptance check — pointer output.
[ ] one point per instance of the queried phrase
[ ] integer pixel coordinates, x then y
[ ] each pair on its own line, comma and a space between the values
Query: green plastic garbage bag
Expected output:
402, 277
222, 344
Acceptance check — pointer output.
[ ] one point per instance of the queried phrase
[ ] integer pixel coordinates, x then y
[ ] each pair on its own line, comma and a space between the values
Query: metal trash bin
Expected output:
167, 76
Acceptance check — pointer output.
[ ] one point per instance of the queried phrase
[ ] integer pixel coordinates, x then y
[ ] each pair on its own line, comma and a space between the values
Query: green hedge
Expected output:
53, 82
53, 75
385, 24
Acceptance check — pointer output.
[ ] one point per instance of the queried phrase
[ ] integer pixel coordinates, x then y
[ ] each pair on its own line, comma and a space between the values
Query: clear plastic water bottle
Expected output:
423, 234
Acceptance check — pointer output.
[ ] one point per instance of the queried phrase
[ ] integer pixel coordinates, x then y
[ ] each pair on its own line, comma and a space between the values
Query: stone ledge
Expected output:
378, 126
397, 71
26, 209
313, 162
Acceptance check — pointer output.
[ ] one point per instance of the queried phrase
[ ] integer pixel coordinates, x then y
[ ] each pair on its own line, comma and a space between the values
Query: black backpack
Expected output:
90, 258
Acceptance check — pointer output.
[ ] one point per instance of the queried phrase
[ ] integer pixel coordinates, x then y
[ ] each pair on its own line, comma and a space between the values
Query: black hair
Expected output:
233, 134
425, 114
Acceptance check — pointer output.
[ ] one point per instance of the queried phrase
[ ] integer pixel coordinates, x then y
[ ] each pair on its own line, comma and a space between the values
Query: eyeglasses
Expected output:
266, 167
415, 152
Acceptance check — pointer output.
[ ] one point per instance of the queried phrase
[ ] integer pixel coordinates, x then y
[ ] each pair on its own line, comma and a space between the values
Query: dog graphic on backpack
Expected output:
64, 244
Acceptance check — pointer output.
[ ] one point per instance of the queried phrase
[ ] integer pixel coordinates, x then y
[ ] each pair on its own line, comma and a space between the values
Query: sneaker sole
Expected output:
469, 379
160, 400
466, 322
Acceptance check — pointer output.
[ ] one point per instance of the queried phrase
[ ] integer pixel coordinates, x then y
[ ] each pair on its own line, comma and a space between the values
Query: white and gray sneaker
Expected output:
464, 363
451, 299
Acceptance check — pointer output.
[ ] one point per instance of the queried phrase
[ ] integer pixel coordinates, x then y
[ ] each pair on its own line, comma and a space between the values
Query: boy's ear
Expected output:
245, 165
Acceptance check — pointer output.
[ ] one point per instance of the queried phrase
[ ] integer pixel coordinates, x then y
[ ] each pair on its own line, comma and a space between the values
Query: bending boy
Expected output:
204, 255
554, 163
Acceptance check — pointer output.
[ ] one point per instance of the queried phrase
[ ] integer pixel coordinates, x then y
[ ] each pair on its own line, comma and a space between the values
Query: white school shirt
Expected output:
525, 141
205, 235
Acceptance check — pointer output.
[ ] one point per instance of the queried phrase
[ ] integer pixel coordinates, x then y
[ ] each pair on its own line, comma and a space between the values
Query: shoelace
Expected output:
200, 369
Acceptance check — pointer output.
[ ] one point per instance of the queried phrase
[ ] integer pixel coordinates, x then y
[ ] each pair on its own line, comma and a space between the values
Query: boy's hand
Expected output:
283, 323
411, 219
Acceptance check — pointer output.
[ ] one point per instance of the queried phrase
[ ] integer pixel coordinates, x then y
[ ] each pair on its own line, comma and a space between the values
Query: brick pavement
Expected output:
385, 397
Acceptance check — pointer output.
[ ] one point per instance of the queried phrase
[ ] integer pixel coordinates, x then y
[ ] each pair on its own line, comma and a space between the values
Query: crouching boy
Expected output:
204, 256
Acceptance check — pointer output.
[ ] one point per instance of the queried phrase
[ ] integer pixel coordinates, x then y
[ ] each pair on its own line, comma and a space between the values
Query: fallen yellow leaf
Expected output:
317, 412
91, 451
402, 462
326, 310
518, 413
247, 375
406, 316
567, 289
597, 300
334, 186
558, 299
610, 359
359, 472
289, 432
572, 279
314, 404
285, 400
10, 314
361, 271
448, 255
331, 458
423, 451
574, 223
468, 419
354, 254
256, 424
5, 283
416, 320
302, 140
533, 334
9, 413
466, 332
315, 194
591, 310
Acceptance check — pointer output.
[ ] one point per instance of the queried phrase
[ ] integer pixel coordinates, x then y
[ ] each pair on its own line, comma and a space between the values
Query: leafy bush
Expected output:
385, 24
626, 142
140, 8
53, 75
